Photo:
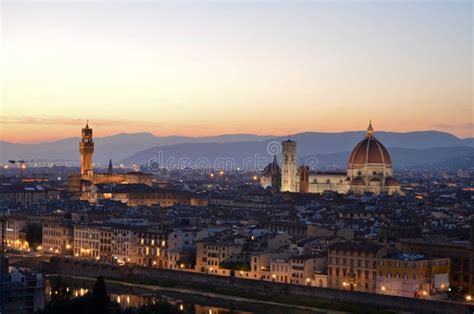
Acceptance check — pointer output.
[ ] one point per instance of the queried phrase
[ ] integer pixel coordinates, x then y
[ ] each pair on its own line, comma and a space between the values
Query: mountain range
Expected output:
330, 150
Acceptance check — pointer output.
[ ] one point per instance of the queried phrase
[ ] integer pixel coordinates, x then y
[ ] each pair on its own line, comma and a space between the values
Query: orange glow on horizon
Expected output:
30, 134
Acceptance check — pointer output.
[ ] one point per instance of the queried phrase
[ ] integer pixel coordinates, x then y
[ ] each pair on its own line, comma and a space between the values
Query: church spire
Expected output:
111, 168
370, 130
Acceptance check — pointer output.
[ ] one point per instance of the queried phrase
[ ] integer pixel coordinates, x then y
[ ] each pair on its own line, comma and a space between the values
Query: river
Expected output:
132, 295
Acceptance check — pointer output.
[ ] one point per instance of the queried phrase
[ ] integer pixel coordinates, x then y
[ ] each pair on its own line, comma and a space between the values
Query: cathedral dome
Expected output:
358, 181
391, 181
369, 151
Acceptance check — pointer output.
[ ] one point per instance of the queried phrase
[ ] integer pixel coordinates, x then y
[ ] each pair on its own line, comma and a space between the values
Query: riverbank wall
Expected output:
165, 277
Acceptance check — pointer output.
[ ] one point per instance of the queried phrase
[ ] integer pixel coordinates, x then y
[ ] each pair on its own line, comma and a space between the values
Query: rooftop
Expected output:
406, 257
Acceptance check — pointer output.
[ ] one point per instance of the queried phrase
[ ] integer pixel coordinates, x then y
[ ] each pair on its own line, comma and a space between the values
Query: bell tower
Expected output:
86, 148
289, 167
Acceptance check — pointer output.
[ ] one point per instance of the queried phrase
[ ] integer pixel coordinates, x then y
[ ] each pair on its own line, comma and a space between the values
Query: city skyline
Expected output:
200, 69
250, 156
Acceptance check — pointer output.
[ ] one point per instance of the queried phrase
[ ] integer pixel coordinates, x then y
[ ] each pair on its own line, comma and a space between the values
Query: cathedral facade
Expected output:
369, 169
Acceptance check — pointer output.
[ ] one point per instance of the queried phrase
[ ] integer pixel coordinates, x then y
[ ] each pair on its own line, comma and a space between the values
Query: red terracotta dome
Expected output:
390, 181
358, 181
369, 151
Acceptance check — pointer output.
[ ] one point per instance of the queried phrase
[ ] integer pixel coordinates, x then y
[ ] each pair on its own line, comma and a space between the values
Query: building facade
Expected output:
211, 253
58, 238
87, 241
409, 275
124, 246
353, 266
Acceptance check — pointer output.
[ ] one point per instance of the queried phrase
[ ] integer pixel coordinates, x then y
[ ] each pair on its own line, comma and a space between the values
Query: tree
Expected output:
99, 300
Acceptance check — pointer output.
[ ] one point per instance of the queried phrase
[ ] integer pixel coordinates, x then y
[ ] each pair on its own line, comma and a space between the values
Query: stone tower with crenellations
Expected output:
80, 184
86, 149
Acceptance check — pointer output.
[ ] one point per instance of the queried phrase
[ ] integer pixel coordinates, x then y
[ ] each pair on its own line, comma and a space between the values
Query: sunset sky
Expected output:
208, 68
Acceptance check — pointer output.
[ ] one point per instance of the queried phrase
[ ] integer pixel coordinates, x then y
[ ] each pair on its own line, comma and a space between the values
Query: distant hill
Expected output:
116, 147
435, 158
459, 162
255, 156
331, 148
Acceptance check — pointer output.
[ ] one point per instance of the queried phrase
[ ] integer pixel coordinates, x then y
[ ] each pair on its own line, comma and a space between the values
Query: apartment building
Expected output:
218, 252
411, 275
87, 241
152, 248
353, 266
58, 238
124, 245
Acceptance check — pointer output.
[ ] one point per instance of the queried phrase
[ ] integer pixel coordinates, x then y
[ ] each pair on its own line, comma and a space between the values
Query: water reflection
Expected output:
134, 296
130, 300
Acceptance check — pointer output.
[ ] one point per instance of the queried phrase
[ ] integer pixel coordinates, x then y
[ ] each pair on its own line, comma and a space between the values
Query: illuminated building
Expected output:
80, 182
369, 169
353, 266
213, 251
152, 248
289, 167
136, 194
410, 275
461, 254
15, 232
58, 238
124, 245
271, 176
86, 241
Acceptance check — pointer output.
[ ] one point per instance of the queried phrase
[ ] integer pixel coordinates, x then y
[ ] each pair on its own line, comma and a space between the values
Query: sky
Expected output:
202, 68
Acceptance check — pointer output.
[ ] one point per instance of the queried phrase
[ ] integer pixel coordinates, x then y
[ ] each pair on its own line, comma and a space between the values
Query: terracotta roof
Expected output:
358, 181
390, 181
369, 150
351, 246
